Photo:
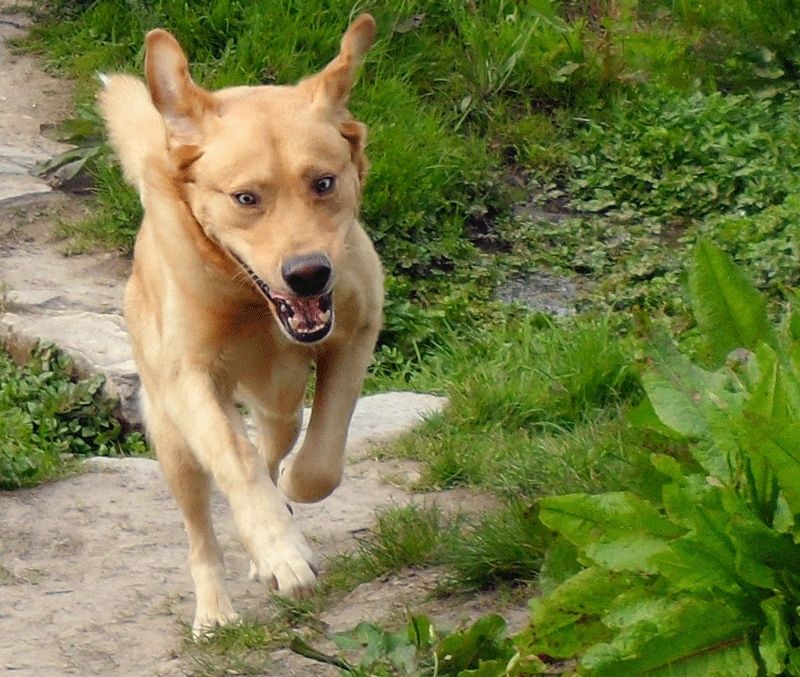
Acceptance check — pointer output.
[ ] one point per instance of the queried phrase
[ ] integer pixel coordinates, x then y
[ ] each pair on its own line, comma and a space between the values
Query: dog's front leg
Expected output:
268, 532
317, 469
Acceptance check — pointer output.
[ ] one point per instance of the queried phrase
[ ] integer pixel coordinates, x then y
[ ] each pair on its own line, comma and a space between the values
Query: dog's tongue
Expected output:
307, 313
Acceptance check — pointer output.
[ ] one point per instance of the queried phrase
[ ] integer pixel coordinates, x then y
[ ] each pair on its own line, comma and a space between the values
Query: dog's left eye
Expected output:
245, 199
324, 185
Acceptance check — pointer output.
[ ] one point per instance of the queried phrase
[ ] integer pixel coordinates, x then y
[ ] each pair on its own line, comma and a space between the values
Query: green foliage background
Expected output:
634, 133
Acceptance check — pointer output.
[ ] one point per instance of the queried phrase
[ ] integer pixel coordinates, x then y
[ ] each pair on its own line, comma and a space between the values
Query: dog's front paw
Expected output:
304, 483
286, 564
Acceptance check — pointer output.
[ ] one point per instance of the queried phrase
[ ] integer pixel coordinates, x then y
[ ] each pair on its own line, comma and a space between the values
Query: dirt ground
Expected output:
94, 575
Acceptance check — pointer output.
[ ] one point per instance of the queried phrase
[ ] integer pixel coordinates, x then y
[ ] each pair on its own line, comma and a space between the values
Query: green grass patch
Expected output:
240, 649
514, 391
48, 420
591, 101
506, 546
404, 536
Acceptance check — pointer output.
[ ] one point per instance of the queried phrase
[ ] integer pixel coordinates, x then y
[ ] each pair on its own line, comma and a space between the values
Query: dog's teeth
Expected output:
324, 317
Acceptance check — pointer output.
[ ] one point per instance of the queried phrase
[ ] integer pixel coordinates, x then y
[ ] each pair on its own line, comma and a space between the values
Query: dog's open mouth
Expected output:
307, 319
304, 318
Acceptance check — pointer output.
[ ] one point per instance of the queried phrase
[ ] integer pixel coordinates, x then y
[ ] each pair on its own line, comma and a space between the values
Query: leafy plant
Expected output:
664, 155
749, 42
702, 577
697, 574
482, 649
46, 419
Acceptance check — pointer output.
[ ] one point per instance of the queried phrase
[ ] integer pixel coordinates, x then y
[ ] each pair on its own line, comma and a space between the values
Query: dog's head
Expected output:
272, 174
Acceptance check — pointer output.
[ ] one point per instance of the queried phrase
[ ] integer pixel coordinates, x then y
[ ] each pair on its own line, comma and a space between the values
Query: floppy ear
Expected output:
182, 104
332, 85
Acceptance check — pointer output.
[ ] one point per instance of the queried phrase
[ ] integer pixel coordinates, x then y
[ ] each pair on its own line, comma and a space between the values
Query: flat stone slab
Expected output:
27, 98
93, 569
73, 302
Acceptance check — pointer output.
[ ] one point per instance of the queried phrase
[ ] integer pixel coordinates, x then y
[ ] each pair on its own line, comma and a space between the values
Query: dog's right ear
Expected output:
182, 104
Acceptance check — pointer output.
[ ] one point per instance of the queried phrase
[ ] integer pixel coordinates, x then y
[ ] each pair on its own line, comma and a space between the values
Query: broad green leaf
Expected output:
665, 631
704, 558
420, 631
681, 498
669, 466
775, 641
720, 448
691, 564
776, 395
779, 444
644, 416
690, 401
485, 640
783, 520
377, 643
560, 562
568, 620
731, 313
676, 409
618, 530
502, 667
720, 661
760, 550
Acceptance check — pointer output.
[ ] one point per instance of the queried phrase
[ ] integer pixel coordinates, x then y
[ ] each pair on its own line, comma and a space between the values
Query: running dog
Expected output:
250, 267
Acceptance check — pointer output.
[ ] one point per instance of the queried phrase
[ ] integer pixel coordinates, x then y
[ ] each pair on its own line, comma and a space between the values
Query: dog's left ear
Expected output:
331, 86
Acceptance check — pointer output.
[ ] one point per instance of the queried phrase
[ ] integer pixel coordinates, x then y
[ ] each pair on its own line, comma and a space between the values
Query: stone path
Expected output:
93, 568
28, 98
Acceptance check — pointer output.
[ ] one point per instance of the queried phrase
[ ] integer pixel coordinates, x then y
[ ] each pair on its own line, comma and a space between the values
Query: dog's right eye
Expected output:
245, 199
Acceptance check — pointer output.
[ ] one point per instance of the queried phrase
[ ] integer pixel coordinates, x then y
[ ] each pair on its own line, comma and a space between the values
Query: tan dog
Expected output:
250, 266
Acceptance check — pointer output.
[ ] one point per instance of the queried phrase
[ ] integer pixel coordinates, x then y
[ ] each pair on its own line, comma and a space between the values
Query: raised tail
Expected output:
135, 128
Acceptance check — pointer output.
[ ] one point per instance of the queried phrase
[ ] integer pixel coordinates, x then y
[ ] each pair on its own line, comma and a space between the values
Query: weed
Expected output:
508, 387
699, 577
664, 155
46, 419
242, 648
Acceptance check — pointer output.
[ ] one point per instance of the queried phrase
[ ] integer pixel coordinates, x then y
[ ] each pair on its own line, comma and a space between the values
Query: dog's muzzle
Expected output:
304, 318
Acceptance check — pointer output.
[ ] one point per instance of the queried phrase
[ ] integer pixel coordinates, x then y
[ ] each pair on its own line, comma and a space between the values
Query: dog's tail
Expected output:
135, 128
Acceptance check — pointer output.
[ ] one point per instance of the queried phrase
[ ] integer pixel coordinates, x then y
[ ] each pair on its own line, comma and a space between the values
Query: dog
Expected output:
250, 268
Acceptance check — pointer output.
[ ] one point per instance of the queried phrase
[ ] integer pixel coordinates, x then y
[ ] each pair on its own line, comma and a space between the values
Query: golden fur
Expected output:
230, 183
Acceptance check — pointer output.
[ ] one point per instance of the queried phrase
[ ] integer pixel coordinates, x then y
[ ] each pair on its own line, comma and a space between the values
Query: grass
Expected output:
402, 536
496, 102
240, 649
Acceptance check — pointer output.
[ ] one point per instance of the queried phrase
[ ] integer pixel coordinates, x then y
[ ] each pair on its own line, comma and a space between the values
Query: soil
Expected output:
94, 575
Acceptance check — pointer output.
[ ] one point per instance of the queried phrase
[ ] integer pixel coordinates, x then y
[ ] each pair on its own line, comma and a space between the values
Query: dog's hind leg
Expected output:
199, 407
191, 487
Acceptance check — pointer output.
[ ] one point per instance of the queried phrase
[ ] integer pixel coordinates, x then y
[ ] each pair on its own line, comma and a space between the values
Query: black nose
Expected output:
307, 275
